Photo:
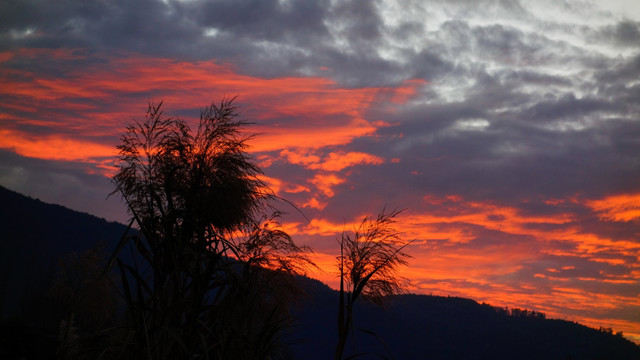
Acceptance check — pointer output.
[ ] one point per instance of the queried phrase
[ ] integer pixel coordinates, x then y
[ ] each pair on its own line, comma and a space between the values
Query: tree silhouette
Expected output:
368, 263
207, 245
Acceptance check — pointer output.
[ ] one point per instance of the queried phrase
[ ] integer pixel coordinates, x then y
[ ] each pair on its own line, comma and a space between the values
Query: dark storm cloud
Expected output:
275, 38
624, 33
628, 33
262, 20
537, 136
97, 25
265, 38
515, 161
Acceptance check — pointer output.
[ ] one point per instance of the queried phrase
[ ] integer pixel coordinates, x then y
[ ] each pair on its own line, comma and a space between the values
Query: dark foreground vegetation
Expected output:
212, 272
409, 327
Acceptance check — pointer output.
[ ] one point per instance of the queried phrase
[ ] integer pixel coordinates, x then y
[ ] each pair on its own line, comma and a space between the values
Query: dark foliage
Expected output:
368, 263
214, 272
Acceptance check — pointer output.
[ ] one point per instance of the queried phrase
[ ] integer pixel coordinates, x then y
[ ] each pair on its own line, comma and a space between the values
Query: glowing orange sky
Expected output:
317, 103
303, 121
447, 269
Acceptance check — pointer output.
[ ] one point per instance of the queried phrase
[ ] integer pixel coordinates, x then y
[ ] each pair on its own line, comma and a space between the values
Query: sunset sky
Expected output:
509, 131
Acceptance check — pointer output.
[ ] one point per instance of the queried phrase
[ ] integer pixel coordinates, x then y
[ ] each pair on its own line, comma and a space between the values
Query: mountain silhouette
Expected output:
35, 235
435, 327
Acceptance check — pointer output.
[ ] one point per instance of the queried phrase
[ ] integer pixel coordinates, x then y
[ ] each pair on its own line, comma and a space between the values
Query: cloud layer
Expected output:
508, 130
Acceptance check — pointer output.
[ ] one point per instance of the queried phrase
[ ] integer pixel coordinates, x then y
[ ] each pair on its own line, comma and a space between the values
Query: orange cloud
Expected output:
272, 183
487, 215
337, 161
315, 204
299, 157
326, 182
294, 189
54, 147
334, 161
327, 134
625, 207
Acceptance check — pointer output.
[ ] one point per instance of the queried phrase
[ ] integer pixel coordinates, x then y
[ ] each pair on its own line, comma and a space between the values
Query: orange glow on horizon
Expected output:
444, 262
551, 304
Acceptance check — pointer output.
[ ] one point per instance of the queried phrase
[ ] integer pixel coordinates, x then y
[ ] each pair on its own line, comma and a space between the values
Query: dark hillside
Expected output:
33, 236
434, 327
